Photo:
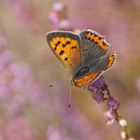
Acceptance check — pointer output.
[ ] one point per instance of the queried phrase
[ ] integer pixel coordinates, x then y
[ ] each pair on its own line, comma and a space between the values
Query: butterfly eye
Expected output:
82, 71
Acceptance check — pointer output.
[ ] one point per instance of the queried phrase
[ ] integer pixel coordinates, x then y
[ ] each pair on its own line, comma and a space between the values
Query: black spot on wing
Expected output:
100, 37
55, 48
73, 47
61, 52
68, 42
95, 35
63, 45
66, 58
56, 45
58, 42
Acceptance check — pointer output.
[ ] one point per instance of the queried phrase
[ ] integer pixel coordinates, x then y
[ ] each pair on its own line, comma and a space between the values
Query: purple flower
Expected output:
98, 89
113, 104
110, 116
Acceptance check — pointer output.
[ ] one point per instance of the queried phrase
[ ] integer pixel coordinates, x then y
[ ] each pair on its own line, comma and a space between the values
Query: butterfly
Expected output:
85, 55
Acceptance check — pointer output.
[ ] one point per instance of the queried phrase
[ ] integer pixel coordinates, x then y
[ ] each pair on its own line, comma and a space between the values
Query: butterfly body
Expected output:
84, 55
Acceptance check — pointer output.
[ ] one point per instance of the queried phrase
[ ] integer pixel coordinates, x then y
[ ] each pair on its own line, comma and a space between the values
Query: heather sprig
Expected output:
58, 17
101, 93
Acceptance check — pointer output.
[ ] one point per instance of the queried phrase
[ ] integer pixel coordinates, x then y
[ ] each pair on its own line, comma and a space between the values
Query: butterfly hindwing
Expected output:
103, 63
93, 46
66, 46
84, 81
96, 68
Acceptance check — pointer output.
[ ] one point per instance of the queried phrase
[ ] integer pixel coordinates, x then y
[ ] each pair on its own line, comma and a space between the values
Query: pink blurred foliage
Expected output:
24, 13
76, 121
56, 133
117, 31
17, 83
80, 125
20, 129
138, 84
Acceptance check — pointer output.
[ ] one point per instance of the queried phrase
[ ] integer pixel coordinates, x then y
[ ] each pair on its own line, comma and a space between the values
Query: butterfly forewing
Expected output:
93, 46
66, 46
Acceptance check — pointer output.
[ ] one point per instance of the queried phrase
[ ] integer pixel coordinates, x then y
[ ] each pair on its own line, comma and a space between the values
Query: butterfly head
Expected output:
80, 73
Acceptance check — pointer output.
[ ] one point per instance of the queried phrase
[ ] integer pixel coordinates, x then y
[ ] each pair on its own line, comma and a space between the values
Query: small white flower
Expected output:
123, 122
123, 135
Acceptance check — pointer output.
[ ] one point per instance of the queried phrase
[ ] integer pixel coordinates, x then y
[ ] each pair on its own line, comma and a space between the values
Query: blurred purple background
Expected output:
30, 109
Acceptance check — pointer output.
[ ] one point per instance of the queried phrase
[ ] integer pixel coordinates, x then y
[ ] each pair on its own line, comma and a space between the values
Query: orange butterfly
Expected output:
84, 55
